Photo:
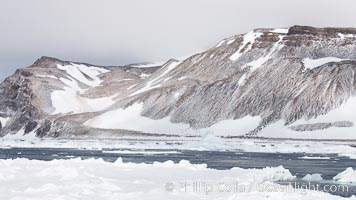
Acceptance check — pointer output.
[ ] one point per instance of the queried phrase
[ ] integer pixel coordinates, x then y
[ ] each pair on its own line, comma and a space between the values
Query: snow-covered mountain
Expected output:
296, 82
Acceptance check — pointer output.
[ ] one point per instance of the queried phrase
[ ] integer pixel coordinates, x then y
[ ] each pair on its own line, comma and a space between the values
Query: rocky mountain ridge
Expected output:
294, 82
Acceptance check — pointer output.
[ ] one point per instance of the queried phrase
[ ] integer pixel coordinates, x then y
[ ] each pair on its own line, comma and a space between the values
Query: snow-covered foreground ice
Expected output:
96, 179
347, 176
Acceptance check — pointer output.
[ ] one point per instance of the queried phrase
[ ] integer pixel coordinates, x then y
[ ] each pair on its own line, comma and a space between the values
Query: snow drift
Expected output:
96, 179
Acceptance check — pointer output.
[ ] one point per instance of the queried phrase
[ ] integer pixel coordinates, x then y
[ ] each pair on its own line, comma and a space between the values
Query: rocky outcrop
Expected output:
320, 126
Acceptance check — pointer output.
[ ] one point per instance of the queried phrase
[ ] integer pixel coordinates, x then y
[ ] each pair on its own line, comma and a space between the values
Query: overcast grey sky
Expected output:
117, 32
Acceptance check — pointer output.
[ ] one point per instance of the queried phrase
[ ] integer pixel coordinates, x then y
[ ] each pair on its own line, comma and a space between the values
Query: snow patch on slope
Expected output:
147, 65
220, 43
4, 121
343, 36
234, 127
69, 100
20, 135
260, 61
226, 41
313, 63
154, 83
128, 119
230, 41
143, 75
131, 119
80, 71
249, 39
46, 76
280, 30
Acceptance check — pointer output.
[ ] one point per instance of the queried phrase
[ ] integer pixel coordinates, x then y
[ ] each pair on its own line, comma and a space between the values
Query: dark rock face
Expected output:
343, 124
258, 74
48, 62
326, 32
16, 97
44, 129
321, 126
30, 126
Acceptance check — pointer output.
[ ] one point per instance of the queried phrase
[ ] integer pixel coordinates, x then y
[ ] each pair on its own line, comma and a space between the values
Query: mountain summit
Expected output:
296, 82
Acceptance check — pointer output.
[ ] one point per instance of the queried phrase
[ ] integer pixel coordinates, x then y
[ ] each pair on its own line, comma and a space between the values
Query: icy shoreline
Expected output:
207, 143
